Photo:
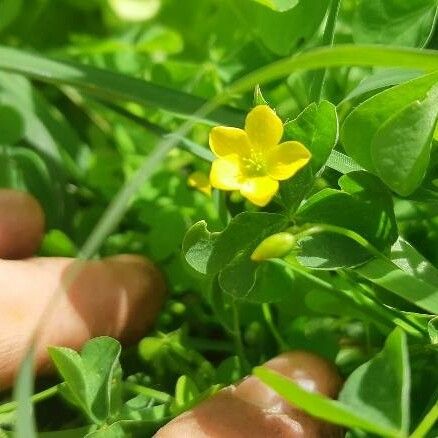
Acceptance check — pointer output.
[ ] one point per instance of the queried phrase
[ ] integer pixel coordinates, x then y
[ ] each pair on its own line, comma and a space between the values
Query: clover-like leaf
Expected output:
317, 129
228, 253
396, 22
92, 378
286, 38
363, 206
375, 134
379, 389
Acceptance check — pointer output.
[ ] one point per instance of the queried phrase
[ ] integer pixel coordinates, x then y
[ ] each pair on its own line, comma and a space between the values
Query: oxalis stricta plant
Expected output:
299, 216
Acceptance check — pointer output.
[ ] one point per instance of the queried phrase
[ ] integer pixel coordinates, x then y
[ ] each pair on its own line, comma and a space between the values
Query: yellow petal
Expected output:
259, 190
225, 141
286, 159
200, 181
225, 173
264, 127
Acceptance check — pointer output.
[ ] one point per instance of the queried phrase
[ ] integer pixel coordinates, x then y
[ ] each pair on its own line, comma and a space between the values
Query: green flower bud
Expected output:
275, 246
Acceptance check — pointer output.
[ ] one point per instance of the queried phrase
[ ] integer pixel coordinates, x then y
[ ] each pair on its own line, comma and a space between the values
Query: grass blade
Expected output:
23, 390
109, 85
318, 405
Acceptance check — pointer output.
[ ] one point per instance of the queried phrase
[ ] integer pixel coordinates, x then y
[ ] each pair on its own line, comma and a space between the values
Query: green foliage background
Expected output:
105, 109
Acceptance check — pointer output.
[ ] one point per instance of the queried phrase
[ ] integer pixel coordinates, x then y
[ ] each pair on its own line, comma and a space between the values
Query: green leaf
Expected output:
186, 394
92, 379
279, 5
209, 253
11, 125
221, 305
108, 85
395, 22
229, 371
45, 128
366, 208
432, 328
269, 282
228, 253
198, 245
9, 11
407, 274
342, 163
374, 130
66, 433
26, 170
258, 97
144, 424
379, 389
57, 243
401, 147
317, 128
319, 406
114, 430
286, 38
295, 189
381, 79
337, 56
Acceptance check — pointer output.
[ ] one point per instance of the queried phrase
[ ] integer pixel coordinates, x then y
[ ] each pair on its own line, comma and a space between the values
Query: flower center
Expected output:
255, 165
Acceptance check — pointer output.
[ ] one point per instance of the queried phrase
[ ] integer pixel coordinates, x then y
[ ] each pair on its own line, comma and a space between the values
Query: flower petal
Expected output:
225, 173
225, 141
259, 190
200, 181
264, 127
286, 159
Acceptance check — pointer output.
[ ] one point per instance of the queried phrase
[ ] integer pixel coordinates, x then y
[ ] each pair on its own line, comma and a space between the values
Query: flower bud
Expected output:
275, 246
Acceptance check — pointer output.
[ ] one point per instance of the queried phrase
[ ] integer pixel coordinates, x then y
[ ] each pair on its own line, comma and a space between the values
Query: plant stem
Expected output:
267, 314
40, 396
238, 338
391, 315
149, 392
220, 200
377, 310
349, 298
327, 40
427, 423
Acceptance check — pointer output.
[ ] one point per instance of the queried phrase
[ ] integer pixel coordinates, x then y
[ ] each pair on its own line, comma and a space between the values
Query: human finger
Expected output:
251, 409
21, 224
118, 297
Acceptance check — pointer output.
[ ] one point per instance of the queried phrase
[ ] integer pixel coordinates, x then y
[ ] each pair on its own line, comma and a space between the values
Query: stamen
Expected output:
254, 165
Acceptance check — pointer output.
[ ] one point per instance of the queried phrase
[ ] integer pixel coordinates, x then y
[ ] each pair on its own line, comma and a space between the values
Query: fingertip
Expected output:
22, 223
310, 371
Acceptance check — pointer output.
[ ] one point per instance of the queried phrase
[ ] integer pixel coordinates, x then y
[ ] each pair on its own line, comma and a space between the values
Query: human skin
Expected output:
251, 409
62, 301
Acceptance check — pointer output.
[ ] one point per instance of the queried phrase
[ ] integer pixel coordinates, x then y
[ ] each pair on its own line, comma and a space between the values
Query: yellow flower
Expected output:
199, 180
252, 160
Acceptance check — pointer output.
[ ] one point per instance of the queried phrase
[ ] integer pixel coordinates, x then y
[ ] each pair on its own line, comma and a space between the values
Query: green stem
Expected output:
220, 199
327, 40
237, 335
312, 229
267, 314
148, 392
427, 423
365, 306
377, 309
40, 396
387, 313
